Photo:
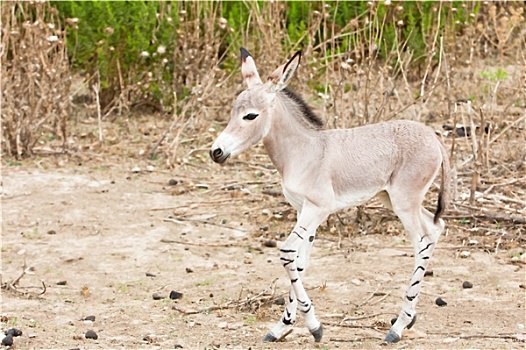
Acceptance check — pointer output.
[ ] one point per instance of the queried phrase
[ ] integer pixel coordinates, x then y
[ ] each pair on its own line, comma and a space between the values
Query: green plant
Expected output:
494, 75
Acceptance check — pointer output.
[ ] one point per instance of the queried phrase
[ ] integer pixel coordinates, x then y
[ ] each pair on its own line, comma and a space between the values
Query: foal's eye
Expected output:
250, 116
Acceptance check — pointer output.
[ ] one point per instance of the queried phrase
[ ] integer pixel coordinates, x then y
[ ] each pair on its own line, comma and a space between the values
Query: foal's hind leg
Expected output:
424, 234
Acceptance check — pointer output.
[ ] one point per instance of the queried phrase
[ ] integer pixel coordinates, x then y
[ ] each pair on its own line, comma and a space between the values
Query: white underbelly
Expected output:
348, 200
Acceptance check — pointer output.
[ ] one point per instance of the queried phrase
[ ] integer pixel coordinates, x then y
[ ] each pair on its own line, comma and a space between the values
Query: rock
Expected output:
149, 274
189, 270
89, 318
172, 182
14, 332
8, 340
136, 170
62, 283
51, 232
279, 301
467, 285
91, 335
157, 296
175, 295
464, 254
270, 243
440, 302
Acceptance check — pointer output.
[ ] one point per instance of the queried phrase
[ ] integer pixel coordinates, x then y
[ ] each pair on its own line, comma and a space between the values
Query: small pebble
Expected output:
172, 182
157, 296
51, 232
279, 301
467, 285
91, 335
136, 170
264, 228
440, 302
189, 270
62, 283
175, 295
270, 243
14, 332
464, 254
89, 318
149, 274
8, 340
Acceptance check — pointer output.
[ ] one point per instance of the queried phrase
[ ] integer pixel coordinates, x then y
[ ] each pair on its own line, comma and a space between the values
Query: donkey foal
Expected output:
324, 171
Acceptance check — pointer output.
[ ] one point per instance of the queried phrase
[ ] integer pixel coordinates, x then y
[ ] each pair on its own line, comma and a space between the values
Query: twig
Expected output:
226, 245
238, 303
178, 220
356, 339
345, 319
96, 88
377, 328
369, 297
484, 336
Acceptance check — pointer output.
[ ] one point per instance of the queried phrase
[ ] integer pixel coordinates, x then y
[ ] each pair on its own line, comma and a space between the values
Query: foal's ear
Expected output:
248, 69
280, 78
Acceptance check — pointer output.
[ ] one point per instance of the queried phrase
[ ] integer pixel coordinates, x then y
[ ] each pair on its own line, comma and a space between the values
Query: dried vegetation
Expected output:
470, 70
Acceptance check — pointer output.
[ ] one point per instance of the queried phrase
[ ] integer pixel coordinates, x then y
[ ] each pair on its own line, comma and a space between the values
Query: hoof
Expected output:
317, 333
269, 338
411, 324
392, 337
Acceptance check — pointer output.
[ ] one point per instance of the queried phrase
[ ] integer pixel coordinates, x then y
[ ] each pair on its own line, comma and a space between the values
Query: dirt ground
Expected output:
103, 239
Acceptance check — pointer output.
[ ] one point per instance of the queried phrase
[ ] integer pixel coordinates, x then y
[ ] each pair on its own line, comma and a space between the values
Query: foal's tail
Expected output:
445, 184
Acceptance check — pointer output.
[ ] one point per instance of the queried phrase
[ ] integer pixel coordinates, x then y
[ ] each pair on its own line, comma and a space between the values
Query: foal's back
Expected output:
368, 158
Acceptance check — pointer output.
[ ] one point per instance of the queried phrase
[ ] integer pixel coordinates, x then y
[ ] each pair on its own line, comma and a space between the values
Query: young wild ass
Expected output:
324, 171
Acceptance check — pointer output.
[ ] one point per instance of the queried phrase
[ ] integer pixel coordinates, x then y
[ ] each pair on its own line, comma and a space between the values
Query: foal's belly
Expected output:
334, 202
353, 199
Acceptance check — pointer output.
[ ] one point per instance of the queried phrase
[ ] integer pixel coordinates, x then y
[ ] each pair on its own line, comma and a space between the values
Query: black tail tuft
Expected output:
440, 207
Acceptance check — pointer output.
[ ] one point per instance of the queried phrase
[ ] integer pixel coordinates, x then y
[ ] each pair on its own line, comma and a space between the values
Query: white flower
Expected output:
222, 23
161, 49
145, 54
52, 38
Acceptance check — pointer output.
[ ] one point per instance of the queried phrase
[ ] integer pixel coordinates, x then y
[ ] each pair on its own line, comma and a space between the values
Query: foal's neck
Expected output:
290, 135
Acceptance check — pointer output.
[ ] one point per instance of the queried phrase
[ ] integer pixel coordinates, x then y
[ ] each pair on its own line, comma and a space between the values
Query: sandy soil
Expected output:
104, 239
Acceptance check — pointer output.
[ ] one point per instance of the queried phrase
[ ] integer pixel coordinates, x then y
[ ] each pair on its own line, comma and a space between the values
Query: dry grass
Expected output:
483, 62
36, 78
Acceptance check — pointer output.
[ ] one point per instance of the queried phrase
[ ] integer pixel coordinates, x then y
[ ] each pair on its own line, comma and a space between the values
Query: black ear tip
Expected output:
297, 54
244, 54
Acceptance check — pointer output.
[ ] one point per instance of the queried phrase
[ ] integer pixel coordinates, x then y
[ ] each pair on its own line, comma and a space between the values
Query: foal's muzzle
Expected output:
218, 156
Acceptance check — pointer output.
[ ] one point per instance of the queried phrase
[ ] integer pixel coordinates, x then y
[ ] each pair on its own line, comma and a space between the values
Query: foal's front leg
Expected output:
294, 256
284, 326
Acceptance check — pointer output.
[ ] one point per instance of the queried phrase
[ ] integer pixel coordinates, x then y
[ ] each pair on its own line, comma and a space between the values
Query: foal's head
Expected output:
251, 115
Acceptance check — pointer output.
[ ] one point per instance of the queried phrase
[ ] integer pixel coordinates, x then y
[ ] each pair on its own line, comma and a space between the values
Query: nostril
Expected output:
217, 153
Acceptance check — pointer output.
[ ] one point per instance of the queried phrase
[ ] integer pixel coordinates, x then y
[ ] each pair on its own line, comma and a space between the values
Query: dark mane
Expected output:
305, 109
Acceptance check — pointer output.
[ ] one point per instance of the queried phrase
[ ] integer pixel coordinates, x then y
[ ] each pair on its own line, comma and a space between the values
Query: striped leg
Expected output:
294, 255
424, 234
